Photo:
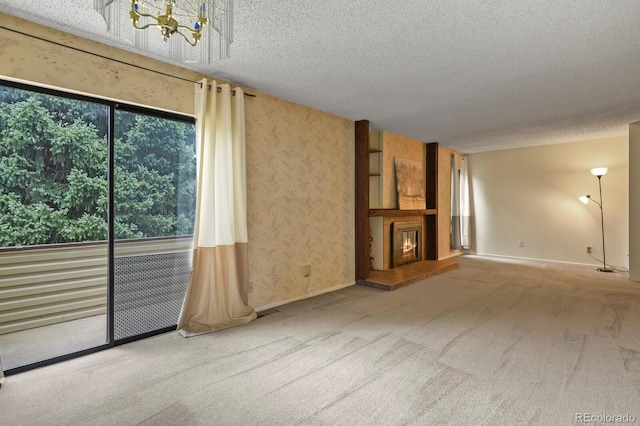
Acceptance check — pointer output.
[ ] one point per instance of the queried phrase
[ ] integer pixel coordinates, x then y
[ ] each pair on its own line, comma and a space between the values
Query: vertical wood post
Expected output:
431, 221
362, 200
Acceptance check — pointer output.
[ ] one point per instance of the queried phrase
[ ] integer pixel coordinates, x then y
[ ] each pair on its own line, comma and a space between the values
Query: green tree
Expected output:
155, 177
57, 171
53, 172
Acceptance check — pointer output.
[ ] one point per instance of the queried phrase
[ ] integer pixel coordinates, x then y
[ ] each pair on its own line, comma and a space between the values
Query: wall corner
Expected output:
634, 201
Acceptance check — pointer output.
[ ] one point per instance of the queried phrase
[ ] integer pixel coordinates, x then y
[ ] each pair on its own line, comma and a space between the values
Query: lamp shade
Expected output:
599, 171
585, 199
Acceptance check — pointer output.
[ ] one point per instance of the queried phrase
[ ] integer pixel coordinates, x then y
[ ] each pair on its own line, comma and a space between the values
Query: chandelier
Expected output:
197, 31
167, 23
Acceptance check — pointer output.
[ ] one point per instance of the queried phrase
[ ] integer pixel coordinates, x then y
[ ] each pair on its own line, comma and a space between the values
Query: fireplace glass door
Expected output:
406, 243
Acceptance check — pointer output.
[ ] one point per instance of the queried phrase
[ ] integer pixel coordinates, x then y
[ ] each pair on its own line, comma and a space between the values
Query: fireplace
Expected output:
407, 243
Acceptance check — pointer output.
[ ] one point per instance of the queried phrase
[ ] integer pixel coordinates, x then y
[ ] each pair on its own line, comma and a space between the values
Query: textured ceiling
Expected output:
472, 75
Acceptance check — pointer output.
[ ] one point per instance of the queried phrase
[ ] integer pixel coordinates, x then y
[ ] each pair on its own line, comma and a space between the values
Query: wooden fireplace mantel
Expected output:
399, 213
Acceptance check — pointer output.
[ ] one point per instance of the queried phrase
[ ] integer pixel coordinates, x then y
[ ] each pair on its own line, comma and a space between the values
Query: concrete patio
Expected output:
37, 344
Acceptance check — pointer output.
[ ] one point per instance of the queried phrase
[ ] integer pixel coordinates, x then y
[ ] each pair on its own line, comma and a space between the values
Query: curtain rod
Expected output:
218, 89
105, 57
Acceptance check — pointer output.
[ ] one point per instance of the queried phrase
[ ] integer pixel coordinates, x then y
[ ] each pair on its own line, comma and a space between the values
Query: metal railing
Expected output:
42, 285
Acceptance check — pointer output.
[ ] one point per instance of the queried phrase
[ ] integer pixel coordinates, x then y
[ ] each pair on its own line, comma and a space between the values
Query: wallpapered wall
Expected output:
397, 146
42, 63
300, 177
300, 161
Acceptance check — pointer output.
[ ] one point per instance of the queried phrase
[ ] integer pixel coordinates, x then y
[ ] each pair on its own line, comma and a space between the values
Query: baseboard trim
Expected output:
304, 296
533, 259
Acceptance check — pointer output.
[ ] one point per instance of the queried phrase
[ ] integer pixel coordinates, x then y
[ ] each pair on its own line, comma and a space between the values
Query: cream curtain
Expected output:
465, 210
455, 205
217, 294
460, 204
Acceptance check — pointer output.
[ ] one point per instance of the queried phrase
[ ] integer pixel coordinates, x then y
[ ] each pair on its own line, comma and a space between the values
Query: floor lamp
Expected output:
599, 172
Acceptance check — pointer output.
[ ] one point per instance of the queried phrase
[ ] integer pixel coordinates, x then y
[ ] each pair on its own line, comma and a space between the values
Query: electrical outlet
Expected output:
250, 287
521, 244
589, 249
306, 270
311, 290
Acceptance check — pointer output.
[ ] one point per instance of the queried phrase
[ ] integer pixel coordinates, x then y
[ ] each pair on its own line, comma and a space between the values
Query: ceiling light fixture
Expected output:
166, 22
205, 25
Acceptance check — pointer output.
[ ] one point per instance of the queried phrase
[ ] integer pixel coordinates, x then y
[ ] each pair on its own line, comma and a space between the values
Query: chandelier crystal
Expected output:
190, 31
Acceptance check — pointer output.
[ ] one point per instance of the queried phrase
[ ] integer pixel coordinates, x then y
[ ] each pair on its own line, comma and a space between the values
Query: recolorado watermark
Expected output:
605, 418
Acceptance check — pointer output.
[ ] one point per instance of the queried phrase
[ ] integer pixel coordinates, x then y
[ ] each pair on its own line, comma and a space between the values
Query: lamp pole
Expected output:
604, 255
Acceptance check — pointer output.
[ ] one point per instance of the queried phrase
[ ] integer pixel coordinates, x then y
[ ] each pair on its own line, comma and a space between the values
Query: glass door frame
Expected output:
112, 107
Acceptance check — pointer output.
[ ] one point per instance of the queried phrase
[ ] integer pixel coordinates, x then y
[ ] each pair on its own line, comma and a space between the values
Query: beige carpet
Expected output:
493, 342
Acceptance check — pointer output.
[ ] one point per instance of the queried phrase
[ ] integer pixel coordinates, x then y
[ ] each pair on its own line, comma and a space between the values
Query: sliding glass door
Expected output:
155, 189
53, 226
97, 205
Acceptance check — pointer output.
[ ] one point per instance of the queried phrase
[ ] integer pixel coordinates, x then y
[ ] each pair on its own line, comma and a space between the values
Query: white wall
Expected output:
634, 201
531, 195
